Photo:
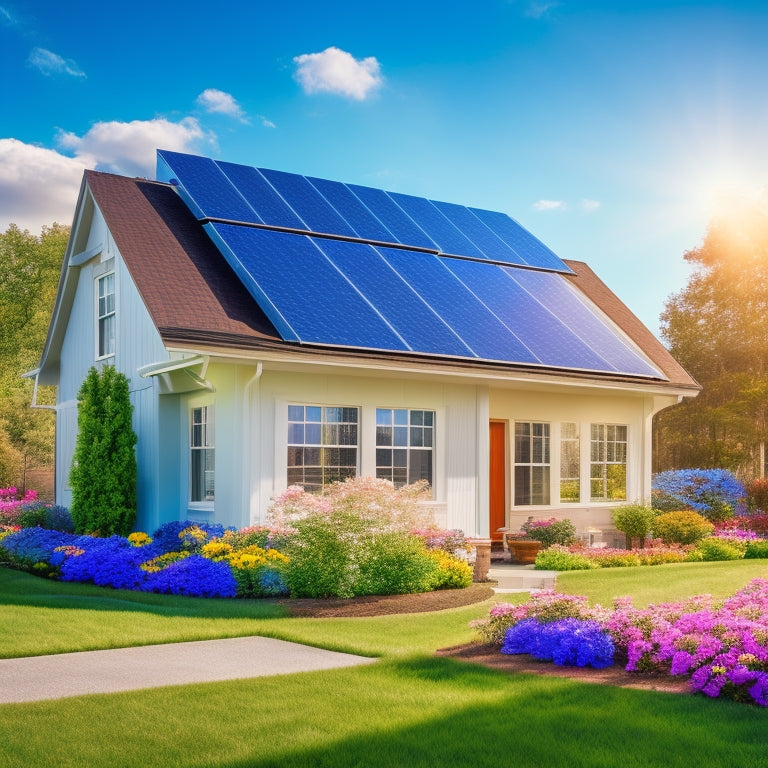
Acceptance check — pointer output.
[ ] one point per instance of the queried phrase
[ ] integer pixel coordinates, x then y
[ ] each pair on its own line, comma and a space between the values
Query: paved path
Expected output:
37, 678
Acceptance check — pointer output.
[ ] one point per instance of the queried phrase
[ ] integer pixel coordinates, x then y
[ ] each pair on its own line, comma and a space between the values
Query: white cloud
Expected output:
336, 71
39, 186
588, 205
214, 100
266, 122
550, 205
6, 17
49, 63
129, 148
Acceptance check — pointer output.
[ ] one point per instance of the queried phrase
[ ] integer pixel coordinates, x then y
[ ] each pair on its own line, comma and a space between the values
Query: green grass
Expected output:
410, 709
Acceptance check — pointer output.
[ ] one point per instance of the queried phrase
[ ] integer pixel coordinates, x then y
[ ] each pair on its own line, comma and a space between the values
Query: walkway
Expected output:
512, 577
151, 666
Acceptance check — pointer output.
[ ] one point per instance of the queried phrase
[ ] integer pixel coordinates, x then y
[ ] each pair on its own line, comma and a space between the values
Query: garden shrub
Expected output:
566, 642
452, 572
103, 473
756, 523
756, 550
394, 563
714, 548
551, 531
686, 527
635, 521
714, 493
559, 558
50, 516
757, 495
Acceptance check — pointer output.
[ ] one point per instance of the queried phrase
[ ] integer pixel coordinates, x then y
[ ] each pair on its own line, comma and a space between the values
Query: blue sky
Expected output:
613, 130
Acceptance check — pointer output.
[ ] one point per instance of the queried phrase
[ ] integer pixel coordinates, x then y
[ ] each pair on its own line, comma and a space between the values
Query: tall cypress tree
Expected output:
103, 474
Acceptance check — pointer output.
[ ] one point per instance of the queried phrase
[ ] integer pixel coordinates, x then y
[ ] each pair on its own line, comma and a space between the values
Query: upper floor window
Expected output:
105, 311
202, 450
569, 462
404, 445
608, 462
532, 462
322, 445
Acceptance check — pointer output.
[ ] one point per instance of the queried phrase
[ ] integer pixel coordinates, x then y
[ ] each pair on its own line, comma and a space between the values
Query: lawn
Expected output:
410, 709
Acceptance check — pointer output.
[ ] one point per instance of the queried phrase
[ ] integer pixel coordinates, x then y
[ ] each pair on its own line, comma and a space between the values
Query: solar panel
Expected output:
397, 273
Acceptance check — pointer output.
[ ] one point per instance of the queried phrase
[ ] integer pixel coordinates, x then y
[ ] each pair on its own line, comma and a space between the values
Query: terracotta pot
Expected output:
523, 552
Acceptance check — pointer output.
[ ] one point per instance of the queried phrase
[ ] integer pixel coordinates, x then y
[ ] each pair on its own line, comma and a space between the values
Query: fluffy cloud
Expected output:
588, 205
550, 205
39, 186
129, 148
336, 71
214, 100
49, 63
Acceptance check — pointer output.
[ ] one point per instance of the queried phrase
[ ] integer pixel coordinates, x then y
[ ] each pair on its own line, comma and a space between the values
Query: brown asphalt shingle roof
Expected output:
193, 296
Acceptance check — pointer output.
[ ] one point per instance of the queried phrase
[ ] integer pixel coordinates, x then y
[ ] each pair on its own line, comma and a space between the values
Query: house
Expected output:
278, 330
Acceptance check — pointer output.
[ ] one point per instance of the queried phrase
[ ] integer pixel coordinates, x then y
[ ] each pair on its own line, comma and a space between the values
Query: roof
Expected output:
196, 299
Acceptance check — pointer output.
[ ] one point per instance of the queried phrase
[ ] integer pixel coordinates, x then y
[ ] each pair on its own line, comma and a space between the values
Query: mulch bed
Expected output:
382, 605
476, 653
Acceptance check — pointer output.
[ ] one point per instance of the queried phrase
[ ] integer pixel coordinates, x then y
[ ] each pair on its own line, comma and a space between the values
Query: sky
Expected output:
614, 130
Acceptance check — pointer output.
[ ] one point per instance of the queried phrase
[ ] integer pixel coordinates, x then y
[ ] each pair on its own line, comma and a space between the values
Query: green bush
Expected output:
635, 521
757, 549
685, 527
393, 563
550, 532
103, 474
713, 549
452, 572
558, 558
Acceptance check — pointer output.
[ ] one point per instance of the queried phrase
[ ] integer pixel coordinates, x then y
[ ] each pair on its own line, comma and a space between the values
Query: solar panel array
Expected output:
347, 266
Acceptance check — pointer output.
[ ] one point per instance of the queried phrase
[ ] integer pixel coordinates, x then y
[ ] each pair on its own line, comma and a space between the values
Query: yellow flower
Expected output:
139, 539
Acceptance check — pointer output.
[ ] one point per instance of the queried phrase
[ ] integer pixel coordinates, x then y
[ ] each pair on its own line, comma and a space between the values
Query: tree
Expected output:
103, 474
29, 272
717, 328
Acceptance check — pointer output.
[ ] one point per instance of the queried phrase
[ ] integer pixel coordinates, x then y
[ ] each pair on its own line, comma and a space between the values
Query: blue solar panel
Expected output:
204, 188
308, 203
381, 205
439, 229
414, 320
301, 292
470, 319
543, 333
532, 251
261, 196
489, 243
566, 303
365, 224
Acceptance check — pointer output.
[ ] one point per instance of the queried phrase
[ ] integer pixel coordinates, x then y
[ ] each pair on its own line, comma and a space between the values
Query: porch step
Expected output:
512, 578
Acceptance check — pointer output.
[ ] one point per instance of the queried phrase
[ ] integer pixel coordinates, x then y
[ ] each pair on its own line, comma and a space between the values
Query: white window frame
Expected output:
608, 458
565, 440
531, 464
207, 443
322, 444
410, 447
108, 315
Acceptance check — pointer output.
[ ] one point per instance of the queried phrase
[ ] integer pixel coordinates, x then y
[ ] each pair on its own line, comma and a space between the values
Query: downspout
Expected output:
247, 473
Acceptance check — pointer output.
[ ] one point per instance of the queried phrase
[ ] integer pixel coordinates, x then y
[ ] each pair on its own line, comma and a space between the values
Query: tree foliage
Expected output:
103, 474
29, 272
717, 327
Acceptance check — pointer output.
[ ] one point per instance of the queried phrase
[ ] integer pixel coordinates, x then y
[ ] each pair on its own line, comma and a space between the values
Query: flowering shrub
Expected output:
559, 558
453, 541
684, 527
715, 493
162, 561
550, 531
757, 549
717, 548
139, 539
635, 521
723, 649
452, 572
544, 606
169, 536
566, 642
757, 495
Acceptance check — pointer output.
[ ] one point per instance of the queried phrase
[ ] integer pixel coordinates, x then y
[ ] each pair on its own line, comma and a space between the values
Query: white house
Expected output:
277, 329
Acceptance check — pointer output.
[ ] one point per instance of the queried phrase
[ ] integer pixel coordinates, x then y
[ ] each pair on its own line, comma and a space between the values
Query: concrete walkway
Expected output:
37, 678
512, 577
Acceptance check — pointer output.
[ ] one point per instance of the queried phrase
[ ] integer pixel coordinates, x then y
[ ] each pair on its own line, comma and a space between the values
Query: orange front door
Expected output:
498, 479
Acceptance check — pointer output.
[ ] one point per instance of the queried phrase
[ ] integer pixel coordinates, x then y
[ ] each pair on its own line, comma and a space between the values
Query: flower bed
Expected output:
721, 648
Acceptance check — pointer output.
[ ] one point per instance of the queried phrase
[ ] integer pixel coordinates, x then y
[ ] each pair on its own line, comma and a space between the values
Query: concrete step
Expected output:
520, 578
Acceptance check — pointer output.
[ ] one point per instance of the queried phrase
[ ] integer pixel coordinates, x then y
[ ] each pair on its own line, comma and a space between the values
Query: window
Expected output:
608, 462
569, 462
202, 456
322, 445
404, 442
531, 463
105, 342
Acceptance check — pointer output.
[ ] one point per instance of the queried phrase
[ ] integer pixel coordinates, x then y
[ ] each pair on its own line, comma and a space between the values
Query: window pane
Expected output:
401, 436
569, 463
383, 435
383, 416
295, 413
401, 418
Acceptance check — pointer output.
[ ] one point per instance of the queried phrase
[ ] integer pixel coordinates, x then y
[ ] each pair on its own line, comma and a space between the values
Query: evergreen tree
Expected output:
103, 474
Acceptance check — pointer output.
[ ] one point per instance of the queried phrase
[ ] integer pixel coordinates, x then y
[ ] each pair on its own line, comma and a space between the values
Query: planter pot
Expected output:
523, 552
